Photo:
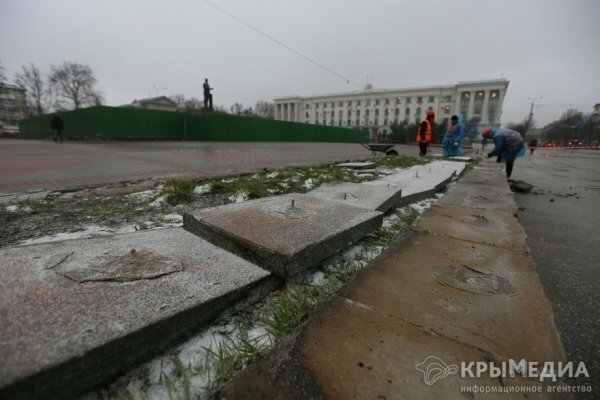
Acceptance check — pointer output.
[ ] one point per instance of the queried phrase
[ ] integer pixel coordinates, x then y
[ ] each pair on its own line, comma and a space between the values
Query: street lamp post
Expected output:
530, 119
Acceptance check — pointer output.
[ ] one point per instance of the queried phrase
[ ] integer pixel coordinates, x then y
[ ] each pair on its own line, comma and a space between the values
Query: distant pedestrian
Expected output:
424, 132
532, 146
508, 145
454, 136
208, 98
57, 126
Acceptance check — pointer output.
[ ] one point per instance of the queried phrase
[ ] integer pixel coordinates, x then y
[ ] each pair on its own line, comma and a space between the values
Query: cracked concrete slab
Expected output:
89, 309
357, 194
284, 234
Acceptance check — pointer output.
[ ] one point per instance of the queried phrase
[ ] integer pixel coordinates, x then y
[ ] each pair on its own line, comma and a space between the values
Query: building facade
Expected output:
162, 103
13, 105
380, 108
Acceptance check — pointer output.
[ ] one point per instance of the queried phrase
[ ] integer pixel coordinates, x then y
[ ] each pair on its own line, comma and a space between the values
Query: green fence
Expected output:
129, 123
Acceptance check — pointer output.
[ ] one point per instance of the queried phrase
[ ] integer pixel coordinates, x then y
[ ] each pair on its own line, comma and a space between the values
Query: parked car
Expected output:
9, 131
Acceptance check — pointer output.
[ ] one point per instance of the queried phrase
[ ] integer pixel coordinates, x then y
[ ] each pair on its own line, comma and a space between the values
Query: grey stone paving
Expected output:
357, 194
81, 311
89, 309
284, 234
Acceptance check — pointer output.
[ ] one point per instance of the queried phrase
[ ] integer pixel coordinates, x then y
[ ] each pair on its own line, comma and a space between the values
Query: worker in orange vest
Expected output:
424, 132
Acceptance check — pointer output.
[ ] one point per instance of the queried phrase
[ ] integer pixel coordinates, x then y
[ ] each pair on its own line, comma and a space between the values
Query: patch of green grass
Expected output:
178, 191
228, 356
288, 309
400, 161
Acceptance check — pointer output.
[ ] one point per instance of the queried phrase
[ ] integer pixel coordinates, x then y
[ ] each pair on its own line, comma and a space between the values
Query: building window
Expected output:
447, 110
465, 96
431, 99
341, 104
368, 102
358, 102
492, 113
349, 105
448, 98
332, 104
357, 117
398, 100
408, 100
495, 94
377, 102
420, 100
306, 115
477, 109
317, 106
479, 95
387, 102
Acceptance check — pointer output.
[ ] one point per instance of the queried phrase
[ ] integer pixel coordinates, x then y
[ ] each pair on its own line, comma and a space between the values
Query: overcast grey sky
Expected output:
138, 47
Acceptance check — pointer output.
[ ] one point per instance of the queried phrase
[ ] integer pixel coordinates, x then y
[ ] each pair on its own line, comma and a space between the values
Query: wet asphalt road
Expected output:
562, 218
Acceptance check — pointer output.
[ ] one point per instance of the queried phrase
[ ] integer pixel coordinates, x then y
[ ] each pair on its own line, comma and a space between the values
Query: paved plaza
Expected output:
31, 165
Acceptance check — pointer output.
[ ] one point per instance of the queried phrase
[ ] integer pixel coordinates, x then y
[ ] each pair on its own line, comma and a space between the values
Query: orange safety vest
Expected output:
427, 132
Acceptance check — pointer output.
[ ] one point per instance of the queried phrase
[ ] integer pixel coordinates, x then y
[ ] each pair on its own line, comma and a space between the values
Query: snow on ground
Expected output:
309, 184
238, 197
88, 232
140, 197
158, 202
202, 189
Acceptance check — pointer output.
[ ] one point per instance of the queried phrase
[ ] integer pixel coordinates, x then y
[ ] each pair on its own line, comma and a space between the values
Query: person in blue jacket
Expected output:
508, 145
454, 137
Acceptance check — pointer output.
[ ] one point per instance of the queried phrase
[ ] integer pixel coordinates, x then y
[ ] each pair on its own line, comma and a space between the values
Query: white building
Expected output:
384, 107
161, 103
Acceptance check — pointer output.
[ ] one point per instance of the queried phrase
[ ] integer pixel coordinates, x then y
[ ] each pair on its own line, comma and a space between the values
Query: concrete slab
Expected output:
419, 182
284, 234
357, 165
359, 195
475, 225
75, 313
487, 175
493, 198
472, 292
433, 175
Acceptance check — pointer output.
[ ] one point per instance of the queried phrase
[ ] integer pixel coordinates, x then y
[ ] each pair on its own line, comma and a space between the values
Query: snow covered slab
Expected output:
379, 199
76, 312
436, 175
284, 234
357, 165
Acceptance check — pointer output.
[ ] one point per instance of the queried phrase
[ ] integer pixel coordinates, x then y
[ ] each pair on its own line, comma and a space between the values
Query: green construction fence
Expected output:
129, 123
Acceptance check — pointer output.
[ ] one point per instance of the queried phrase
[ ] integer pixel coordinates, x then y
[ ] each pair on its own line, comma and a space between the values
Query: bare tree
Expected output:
31, 80
2, 76
264, 109
180, 100
237, 108
74, 86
